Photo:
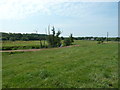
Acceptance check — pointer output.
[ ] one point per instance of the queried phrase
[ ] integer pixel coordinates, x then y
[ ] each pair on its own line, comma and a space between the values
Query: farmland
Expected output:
90, 65
20, 43
12, 45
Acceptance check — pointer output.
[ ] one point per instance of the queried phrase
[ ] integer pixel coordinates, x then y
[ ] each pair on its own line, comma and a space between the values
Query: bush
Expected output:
100, 42
20, 47
12, 39
67, 42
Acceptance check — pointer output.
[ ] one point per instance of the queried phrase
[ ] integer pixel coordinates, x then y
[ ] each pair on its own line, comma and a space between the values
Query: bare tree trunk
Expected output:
44, 43
40, 43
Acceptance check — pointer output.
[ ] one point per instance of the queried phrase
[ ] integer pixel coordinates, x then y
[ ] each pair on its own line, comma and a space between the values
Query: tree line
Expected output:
22, 37
34, 36
98, 38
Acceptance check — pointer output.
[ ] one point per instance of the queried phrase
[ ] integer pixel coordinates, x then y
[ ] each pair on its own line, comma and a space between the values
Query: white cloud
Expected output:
21, 8
17, 9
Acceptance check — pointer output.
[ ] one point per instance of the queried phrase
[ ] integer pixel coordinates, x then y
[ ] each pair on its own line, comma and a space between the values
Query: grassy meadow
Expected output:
89, 65
20, 43
14, 45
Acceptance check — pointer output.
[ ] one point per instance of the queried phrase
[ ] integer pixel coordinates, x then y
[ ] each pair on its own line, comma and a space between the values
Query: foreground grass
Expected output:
90, 65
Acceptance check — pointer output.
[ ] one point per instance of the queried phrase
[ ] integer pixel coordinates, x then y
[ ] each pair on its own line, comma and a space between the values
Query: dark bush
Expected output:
20, 47
67, 42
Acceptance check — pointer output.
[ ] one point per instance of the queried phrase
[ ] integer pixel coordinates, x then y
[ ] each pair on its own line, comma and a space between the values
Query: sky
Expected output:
81, 18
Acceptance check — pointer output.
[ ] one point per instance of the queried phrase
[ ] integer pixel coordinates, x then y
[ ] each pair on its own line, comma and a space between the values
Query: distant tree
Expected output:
104, 38
100, 40
117, 39
12, 38
95, 38
62, 38
57, 39
24, 39
54, 39
4, 38
67, 42
71, 38
41, 43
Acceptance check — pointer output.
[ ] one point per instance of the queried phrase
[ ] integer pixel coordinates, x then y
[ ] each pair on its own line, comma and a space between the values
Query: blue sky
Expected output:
79, 18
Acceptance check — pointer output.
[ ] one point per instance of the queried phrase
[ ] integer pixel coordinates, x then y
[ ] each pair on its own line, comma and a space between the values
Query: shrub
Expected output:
20, 47
67, 42
100, 42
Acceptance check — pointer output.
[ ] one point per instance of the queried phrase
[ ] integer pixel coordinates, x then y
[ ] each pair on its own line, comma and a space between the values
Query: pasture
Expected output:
13, 45
90, 65
20, 43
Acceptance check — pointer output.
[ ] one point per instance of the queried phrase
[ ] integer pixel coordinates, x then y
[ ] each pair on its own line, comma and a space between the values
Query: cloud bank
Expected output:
19, 9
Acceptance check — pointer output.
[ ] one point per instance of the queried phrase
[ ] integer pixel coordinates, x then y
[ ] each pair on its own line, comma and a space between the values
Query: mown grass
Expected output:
90, 65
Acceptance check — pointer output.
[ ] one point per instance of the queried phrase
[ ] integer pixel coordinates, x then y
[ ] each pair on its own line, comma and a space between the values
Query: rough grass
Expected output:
21, 43
90, 65
14, 45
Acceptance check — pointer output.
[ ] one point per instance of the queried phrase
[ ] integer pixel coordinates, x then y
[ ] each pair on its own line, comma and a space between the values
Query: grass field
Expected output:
21, 43
13, 45
90, 65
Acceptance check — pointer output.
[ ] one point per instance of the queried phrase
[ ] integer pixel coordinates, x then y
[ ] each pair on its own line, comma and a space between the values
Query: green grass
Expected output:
20, 43
90, 65
13, 45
